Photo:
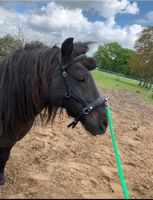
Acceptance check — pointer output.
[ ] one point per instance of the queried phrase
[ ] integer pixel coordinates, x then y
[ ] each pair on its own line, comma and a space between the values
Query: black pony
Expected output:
34, 79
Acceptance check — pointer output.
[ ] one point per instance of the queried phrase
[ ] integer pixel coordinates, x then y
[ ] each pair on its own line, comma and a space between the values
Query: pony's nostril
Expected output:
105, 123
102, 128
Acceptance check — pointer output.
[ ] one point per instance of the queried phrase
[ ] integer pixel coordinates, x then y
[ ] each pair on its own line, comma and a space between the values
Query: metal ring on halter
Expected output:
67, 95
86, 111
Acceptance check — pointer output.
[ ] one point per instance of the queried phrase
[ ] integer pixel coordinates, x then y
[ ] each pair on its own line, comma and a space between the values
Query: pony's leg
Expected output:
4, 155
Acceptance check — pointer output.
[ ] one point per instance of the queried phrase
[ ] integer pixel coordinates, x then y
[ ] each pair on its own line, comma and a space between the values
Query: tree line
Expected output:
9, 43
137, 63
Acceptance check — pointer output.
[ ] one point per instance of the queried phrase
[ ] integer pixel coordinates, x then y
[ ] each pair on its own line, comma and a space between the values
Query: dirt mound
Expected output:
57, 162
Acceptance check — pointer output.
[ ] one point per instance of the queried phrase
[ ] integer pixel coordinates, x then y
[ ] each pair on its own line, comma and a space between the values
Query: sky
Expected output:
53, 21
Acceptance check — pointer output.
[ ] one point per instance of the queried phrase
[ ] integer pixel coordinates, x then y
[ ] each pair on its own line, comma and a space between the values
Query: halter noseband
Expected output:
71, 93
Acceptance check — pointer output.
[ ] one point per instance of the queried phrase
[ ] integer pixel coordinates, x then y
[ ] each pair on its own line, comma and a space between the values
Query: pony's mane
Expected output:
24, 76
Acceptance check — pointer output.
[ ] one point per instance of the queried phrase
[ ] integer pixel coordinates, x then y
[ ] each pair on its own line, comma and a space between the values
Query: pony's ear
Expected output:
89, 63
67, 49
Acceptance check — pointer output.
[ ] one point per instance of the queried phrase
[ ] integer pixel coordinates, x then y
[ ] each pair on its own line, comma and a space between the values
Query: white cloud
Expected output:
54, 22
148, 18
106, 8
56, 18
131, 8
113, 7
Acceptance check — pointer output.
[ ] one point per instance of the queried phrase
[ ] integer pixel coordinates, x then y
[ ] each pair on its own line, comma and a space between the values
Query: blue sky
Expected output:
101, 21
26, 6
144, 6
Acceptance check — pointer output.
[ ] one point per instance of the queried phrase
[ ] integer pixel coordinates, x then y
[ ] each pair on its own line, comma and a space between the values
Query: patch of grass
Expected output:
107, 80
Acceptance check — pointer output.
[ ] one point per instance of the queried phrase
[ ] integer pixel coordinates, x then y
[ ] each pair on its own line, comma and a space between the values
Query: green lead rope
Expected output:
117, 157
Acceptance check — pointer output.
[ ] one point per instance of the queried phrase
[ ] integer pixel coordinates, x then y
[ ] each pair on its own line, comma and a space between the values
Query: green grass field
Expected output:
107, 80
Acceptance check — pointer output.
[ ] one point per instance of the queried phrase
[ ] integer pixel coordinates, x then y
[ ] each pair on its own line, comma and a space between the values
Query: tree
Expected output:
136, 70
20, 33
144, 48
102, 57
114, 57
7, 44
34, 44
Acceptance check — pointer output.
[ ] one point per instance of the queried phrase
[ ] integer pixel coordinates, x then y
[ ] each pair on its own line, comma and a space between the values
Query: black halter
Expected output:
71, 93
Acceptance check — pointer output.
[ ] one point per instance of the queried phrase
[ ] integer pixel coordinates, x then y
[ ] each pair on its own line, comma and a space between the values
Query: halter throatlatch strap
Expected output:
74, 123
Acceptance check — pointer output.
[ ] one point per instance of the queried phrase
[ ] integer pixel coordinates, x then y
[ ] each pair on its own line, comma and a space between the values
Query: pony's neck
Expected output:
46, 70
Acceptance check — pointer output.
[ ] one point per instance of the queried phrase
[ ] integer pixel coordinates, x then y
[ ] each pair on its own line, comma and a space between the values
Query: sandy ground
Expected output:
57, 162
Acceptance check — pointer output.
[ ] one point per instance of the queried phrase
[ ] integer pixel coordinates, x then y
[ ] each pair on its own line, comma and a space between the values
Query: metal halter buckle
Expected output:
87, 110
64, 74
67, 95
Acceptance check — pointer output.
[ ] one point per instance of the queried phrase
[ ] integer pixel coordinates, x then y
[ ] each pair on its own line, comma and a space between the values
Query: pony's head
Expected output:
74, 88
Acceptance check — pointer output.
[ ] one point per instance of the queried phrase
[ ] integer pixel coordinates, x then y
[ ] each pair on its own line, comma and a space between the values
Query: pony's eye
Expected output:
82, 79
